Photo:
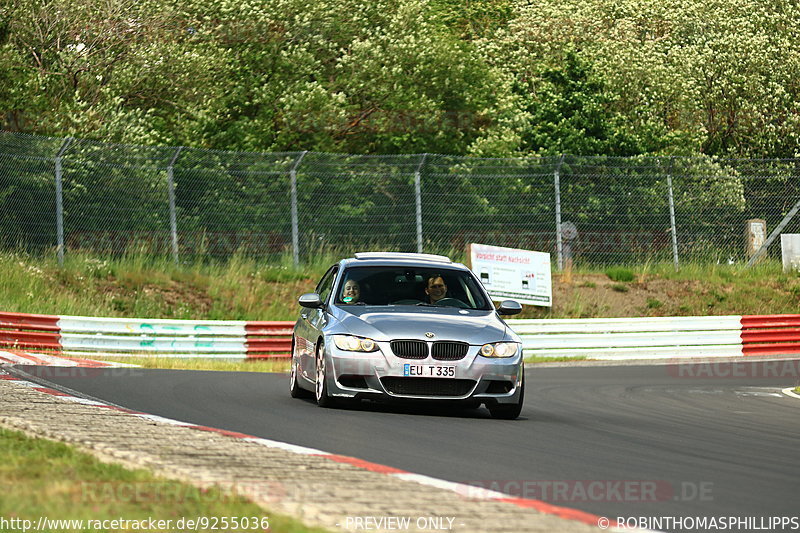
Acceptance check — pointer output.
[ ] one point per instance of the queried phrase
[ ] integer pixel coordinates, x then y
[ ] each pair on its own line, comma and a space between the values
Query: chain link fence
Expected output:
71, 194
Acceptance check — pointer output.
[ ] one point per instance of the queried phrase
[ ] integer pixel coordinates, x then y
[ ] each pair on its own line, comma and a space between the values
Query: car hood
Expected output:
386, 323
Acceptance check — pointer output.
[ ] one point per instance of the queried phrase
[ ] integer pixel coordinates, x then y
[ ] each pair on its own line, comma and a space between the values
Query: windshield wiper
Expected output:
426, 304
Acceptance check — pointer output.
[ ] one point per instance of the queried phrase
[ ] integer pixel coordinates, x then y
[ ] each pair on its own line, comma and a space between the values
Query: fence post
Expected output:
418, 195
672, 224
557, 185
60, 200
295, 223
173, 219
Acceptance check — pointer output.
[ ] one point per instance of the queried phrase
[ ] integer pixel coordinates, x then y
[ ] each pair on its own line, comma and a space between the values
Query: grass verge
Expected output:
248, 289
184, 363
42, 478
137, 286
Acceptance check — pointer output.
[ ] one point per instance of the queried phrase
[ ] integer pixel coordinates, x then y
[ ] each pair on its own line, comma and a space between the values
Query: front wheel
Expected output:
510, 411
321, 389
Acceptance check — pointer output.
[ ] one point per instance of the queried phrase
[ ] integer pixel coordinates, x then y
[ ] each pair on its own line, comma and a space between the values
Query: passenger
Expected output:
351, 292
436, 289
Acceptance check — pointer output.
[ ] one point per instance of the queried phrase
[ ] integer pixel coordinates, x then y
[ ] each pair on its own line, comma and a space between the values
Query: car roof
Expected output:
401, 259
361, 256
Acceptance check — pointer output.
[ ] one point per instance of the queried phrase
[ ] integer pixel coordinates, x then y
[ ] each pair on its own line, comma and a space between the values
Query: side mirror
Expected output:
509, 307
310, 300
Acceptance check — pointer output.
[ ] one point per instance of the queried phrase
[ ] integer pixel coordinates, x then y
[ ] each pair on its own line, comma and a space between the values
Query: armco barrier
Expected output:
770, 334
660, 337
75, 335
595, 338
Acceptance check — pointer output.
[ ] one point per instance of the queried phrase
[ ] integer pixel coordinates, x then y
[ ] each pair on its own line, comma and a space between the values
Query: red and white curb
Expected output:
464, 490
16, 357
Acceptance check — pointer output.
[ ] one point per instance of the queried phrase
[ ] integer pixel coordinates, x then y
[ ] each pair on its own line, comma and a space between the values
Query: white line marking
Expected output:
302, 450
468, 491
83, 401
790, 392
156, 418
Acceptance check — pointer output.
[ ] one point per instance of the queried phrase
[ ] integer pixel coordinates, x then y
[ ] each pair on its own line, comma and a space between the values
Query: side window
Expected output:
326, 284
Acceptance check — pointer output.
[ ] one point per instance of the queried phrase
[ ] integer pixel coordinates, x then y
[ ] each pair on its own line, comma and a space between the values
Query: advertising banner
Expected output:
510, 273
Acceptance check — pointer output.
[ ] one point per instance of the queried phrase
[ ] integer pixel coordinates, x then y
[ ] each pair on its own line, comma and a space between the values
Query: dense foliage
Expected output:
485, 77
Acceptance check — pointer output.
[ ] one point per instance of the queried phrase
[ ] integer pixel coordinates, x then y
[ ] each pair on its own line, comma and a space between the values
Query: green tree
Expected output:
571, 112
718, 77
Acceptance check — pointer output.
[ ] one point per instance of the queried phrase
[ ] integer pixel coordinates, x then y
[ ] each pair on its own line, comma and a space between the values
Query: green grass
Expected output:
42, 478
621, 274
658, 290
140, 286
654, 303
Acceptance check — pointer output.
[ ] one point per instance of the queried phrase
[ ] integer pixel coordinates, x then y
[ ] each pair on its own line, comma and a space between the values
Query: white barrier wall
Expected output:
630, 338
594, 338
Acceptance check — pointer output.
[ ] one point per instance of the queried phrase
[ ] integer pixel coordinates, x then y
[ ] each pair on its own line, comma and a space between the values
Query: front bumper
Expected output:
381, 375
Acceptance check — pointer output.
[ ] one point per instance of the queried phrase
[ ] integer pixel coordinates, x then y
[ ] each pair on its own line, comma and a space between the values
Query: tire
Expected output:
512, 411
294, 387
321, 387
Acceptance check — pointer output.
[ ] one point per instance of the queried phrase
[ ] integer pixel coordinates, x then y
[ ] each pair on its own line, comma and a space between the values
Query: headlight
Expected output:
499, 349
354, 344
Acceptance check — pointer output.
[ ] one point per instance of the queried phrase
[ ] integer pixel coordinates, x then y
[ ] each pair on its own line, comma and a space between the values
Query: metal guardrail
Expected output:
631, 338
75, 335
596, 338
660, 337
770, 334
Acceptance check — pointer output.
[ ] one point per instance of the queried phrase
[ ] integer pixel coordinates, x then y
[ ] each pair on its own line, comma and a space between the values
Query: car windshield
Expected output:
400, 285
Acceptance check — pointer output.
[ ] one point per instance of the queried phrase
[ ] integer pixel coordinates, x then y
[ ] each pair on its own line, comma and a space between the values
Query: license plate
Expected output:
429, 371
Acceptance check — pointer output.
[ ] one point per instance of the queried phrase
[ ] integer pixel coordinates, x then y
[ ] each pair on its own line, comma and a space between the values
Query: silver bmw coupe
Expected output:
414, 327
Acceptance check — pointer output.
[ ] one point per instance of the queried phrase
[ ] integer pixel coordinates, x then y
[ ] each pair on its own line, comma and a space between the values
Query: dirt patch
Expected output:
596, 295
176, 294
169, 296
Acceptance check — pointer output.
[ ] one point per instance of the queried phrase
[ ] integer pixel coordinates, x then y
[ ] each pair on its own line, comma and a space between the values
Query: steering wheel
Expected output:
452, 302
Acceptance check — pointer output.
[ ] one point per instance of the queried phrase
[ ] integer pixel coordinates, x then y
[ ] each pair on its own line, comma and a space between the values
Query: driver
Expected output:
436, 289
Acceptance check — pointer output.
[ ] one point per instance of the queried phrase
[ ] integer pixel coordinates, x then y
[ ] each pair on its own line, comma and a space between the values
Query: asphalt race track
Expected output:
683, 440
